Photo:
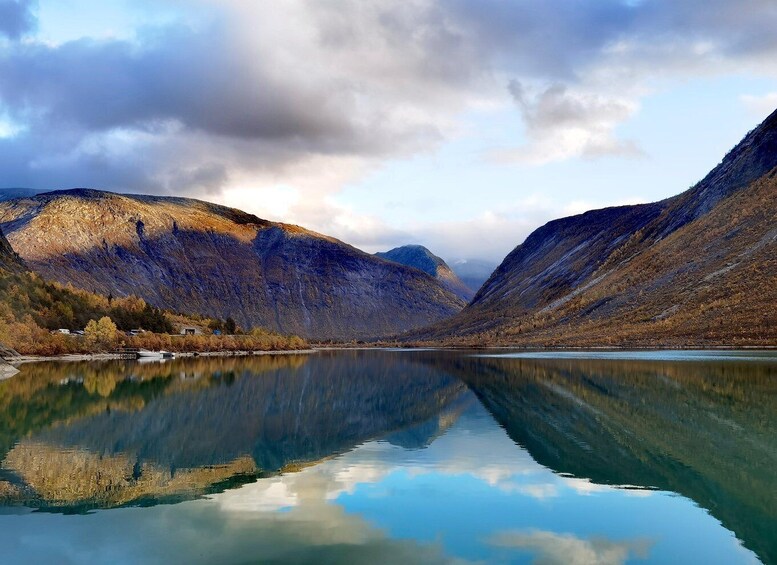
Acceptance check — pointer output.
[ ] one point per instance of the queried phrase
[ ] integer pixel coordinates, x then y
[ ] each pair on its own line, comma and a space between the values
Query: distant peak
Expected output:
416, 256
419, 257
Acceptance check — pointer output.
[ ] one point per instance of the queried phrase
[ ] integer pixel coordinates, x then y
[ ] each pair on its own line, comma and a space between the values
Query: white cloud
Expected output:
562, 123
491, 234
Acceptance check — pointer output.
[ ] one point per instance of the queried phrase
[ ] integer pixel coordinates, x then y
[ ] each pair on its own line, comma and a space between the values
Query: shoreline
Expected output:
131, 357
74, 357
557, 348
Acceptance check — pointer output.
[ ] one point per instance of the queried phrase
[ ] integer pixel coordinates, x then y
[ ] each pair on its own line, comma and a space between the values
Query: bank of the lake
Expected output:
131, 356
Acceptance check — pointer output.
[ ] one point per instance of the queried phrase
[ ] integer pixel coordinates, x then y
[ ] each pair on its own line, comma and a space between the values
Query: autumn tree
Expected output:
100, 334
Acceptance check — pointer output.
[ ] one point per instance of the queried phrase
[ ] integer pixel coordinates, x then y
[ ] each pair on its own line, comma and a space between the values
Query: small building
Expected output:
190, 330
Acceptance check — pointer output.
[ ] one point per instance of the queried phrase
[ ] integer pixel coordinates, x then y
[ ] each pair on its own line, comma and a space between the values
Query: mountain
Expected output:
473, 272
195, 257
421, 258
697, 268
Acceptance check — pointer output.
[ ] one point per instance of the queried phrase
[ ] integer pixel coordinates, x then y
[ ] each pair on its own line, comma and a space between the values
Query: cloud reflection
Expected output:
566, 549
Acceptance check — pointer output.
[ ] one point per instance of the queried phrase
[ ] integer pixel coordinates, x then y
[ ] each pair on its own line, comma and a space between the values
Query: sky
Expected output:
461, 125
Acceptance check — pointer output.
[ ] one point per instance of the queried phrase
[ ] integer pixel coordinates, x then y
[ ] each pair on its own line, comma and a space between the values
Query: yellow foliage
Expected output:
101, 334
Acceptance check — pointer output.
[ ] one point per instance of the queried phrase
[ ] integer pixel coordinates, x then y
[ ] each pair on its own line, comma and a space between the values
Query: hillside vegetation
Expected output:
31, 308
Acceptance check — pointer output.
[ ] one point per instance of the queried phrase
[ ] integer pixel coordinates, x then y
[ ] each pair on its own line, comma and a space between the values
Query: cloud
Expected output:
261, 93
577, 71
562, 123
490, 234
297, 100
256, 92
16, 18
550, 548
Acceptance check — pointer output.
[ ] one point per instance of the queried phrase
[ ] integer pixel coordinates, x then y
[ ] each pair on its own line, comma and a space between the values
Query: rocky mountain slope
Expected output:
30, 307
698, 268
9, 260
421, 258
195, 257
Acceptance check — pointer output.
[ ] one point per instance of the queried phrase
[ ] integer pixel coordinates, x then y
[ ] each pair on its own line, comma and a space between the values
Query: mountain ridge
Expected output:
193, 256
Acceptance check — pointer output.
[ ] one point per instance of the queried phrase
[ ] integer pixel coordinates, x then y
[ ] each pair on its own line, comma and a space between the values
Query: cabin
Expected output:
190, 330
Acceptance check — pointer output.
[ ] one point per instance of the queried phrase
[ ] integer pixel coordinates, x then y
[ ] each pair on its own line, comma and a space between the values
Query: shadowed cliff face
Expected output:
706, 430
696, 268
169, 432
9, 261
421, 258
196, 257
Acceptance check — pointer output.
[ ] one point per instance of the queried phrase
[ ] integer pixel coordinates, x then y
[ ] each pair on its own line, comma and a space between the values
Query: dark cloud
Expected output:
64, 160
16, 18
561, 40
187, 109
189, 78
225, 95
544, 38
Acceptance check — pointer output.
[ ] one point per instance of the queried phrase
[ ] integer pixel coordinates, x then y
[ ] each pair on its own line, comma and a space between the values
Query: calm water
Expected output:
393, 457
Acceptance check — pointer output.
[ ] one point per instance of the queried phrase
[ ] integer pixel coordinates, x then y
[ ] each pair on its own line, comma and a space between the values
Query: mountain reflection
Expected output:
706, 430
115, 433
80, 436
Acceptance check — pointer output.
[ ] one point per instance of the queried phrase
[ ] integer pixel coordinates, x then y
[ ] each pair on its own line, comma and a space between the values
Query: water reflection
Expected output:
391, 457
120, 433
706, 430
